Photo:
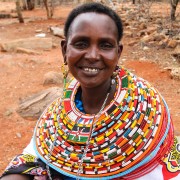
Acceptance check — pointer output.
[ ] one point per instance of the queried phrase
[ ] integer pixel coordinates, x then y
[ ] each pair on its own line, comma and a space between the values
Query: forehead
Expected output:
91, 21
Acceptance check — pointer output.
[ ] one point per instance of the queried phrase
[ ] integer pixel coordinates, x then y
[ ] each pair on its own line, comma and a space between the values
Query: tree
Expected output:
28, 4
174, 4
49, 8
18, 9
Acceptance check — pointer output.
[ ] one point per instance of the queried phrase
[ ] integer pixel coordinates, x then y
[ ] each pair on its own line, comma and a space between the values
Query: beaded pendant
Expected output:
132, 133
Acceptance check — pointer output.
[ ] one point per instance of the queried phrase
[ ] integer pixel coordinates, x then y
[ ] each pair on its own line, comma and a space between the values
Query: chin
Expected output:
89, 85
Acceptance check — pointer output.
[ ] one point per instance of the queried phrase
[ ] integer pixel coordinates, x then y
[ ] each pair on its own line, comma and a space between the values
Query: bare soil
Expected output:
22, 75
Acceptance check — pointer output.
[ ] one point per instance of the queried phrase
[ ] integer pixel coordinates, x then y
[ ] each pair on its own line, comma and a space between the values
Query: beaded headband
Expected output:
133, 132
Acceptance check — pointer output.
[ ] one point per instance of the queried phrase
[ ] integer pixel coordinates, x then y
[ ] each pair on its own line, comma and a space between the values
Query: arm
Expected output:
12, 175
15, 177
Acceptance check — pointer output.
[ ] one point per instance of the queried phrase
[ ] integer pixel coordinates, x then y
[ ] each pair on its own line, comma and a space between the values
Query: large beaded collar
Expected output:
132, 133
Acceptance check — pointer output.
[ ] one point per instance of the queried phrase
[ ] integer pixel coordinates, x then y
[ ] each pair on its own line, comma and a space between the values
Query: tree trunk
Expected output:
47, 9
51, 8
30, 4
18, 9
24, 4
134, 1
174, 4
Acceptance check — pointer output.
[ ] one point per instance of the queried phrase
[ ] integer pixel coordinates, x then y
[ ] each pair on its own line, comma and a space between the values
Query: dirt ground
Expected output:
22, 74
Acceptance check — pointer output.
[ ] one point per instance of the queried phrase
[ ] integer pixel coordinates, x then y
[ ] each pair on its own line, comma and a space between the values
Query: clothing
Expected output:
132, 138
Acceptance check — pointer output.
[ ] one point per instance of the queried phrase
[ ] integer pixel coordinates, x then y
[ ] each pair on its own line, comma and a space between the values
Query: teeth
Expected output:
91, 69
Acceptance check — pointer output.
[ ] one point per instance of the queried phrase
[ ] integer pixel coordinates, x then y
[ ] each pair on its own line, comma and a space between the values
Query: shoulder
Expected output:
169, 168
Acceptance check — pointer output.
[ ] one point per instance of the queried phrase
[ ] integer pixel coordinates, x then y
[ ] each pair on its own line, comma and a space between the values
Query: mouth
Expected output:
90, 70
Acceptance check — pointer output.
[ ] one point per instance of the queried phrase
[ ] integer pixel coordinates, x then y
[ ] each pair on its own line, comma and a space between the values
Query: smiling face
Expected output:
92, 50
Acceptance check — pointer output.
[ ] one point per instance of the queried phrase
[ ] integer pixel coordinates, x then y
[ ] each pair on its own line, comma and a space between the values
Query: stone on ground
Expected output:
33, 106
27, 43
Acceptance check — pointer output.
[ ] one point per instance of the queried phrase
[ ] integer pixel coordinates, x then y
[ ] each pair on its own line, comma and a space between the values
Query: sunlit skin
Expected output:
91, 52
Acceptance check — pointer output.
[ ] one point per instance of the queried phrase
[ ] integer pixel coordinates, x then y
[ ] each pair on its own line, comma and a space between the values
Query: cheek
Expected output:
73, 55
111, 58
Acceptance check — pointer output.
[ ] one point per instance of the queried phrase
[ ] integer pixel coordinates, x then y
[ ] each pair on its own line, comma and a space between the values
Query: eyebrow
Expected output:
85, 37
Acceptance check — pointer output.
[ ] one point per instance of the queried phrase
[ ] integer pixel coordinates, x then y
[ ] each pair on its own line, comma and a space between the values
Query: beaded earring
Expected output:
65, 73
113, 81
113, 77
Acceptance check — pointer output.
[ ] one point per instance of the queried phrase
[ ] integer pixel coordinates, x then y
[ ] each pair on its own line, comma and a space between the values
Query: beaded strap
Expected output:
132, 132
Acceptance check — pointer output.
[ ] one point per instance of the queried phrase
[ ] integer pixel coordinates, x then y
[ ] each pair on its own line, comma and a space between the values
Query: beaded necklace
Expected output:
131, 133
95, 119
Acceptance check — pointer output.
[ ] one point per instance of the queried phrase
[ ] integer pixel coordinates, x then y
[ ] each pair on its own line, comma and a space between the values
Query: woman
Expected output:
108, 123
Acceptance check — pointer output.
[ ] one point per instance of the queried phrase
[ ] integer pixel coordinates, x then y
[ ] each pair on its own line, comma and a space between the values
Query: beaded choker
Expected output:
130, 134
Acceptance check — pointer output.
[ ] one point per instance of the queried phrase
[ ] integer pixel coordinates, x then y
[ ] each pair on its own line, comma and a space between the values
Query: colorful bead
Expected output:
129, 130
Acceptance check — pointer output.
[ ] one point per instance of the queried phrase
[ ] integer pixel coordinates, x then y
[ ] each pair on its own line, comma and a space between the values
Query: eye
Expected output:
106, 46
81, 44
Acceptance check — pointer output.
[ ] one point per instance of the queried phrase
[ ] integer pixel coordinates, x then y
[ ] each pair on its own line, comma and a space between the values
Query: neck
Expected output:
94, 98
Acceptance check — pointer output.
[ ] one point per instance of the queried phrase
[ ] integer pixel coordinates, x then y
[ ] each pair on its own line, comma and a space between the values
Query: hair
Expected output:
96, 8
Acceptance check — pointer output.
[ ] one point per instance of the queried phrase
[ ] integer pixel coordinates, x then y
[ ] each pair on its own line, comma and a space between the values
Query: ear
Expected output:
120, 49
63, 49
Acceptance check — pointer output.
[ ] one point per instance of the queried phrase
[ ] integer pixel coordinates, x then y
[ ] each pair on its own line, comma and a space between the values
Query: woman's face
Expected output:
92, 50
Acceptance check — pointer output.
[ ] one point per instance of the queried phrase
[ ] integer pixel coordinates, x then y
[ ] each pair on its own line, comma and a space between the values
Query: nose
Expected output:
92, 53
